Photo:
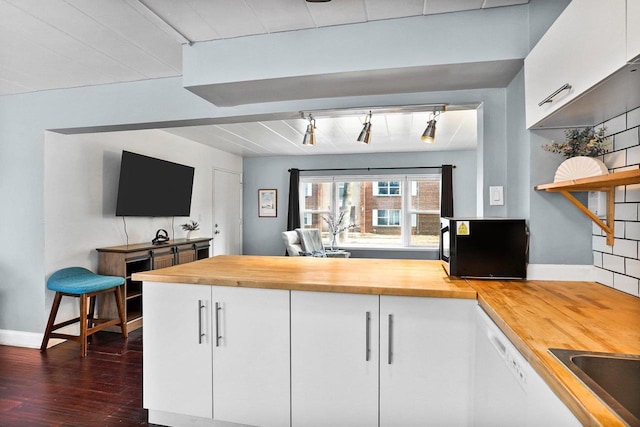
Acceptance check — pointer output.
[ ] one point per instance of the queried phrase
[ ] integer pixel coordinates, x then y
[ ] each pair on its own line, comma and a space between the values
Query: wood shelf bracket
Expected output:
606, 183
609, 225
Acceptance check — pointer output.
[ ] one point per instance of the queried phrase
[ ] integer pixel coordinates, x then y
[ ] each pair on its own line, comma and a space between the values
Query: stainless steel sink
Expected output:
614, 378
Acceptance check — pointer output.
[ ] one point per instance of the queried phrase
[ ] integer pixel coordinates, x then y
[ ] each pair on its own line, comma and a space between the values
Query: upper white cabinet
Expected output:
633, 29
426, 348
585, 45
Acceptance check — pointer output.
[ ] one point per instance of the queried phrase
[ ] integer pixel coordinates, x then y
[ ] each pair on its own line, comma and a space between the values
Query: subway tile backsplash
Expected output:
618, 266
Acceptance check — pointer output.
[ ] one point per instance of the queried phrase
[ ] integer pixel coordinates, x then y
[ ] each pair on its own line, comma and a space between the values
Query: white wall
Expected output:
81, 174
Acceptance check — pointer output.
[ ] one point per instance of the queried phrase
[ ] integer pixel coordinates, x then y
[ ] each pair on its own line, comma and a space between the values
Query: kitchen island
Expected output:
300, 303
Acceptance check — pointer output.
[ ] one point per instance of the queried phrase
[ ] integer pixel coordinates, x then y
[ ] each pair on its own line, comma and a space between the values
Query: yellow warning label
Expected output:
463, 228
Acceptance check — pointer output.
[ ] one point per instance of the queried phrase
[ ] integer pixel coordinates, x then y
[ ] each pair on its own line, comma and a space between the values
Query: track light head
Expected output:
429, 134
365, 134
310, 134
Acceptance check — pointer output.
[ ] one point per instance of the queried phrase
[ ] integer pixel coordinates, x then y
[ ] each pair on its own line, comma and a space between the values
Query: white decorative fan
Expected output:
580, 167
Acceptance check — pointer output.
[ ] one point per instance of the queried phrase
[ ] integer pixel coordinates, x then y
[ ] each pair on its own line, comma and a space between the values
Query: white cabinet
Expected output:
426, 361
586, 44
177, 349
215, 355
508, 391
633, 29
425, 352
251, 356
334, 359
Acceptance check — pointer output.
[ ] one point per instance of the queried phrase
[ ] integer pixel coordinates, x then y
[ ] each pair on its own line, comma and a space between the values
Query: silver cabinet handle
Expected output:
218, 336
549, 98
390, 353
368, 336
200, 333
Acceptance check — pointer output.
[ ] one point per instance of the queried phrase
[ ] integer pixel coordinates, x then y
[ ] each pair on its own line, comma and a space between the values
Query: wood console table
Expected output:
125, 260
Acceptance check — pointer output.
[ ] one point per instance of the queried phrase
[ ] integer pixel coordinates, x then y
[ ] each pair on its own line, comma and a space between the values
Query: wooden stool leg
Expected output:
52, 320
83, 324
120, 304
91, 317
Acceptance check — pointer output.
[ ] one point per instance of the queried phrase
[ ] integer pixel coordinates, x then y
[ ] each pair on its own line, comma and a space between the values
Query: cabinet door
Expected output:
177, 349
573, 51
334, 359
251, 368
633, 29
185, 254
426, 359
163, 258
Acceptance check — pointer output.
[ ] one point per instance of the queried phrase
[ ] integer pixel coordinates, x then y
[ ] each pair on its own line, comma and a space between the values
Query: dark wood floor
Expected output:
59, 388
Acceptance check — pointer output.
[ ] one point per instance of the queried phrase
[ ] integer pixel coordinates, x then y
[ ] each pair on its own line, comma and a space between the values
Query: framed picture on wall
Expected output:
268, 202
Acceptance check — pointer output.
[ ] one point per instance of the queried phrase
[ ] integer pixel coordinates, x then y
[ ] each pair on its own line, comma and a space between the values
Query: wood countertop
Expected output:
360, 275
538, 315
535, 315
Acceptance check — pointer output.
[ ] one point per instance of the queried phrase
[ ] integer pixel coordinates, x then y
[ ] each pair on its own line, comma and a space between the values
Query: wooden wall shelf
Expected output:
606, 183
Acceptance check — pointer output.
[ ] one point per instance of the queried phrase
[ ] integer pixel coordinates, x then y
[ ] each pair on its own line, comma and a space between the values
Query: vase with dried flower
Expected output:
336, 227
580, 147
190, 227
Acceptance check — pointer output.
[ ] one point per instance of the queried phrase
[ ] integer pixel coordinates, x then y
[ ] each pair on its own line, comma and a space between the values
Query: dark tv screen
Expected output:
153, 187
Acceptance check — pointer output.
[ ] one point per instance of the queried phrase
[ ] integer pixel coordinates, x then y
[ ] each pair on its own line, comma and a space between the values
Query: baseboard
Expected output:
562, 272
24, 339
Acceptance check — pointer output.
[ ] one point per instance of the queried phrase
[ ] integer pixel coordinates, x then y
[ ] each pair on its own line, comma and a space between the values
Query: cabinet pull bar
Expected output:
218, 336
368, 338
200, 333
390, 353
549, 98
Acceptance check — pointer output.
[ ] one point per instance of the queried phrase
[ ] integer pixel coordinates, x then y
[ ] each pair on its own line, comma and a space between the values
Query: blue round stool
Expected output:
81, 283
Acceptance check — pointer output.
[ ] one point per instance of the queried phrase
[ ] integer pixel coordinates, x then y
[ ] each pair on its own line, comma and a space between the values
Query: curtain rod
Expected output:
369, 169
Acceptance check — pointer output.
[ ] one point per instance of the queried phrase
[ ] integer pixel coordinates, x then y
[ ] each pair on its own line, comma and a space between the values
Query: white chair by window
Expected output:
304, 241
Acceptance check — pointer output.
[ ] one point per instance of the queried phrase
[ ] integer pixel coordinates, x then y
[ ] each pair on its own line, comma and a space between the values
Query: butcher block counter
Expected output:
359, 276
538, 315
535, 315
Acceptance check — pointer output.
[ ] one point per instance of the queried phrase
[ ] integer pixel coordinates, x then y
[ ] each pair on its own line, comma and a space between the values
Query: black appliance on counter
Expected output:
484, 247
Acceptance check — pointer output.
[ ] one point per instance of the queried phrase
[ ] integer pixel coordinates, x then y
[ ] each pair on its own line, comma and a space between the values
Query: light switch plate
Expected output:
496, 196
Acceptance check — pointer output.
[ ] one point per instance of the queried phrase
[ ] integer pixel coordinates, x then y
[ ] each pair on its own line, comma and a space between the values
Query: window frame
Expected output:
407, 214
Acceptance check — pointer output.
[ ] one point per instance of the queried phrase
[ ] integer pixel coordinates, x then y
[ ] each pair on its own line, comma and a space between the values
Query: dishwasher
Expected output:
500, 382
508, 392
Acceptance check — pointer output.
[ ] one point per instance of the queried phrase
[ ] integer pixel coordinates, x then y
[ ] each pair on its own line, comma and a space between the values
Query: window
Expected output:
378, 211
386, 188
386, 217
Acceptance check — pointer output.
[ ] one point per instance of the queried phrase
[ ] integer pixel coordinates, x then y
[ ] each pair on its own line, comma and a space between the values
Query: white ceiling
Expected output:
53, 44
455, 130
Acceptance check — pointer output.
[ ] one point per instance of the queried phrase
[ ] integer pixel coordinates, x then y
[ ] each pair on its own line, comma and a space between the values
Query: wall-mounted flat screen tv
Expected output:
153, 187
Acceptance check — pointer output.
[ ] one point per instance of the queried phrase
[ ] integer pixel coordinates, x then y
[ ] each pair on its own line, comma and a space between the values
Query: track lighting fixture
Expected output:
365, 134
429, 134
310, 134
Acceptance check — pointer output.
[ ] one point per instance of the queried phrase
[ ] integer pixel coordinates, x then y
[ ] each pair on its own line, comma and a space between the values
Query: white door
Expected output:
426, 361
227, 213
251, 368
334, 359
177, 349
